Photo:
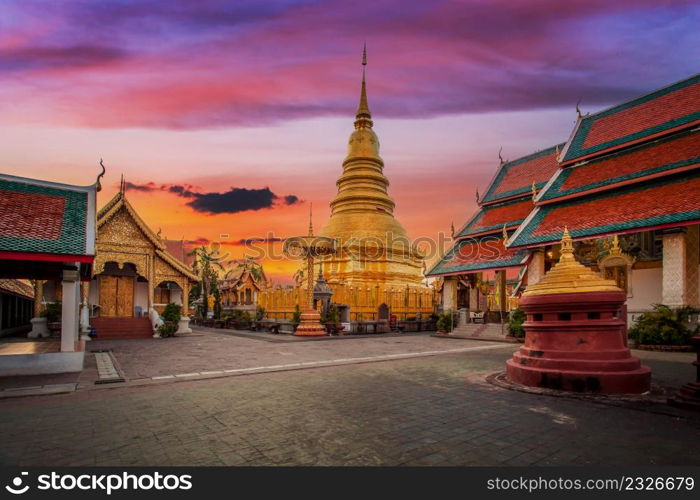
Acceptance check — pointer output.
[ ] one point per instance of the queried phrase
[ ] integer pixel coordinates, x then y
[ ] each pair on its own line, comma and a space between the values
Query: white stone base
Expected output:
41, 364
183, 326
39, 329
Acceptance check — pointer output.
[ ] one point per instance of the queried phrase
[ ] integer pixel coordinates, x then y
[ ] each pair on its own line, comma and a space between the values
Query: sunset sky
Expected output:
230, 117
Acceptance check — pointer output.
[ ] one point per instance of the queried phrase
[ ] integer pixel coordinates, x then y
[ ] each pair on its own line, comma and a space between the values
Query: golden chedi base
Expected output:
310, 325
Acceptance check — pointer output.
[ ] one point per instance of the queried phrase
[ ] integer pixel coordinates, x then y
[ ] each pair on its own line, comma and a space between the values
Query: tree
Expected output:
207, 265
250, 265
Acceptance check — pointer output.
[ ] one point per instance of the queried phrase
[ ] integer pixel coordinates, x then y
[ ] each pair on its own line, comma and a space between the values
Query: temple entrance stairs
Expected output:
122, 328
480, 331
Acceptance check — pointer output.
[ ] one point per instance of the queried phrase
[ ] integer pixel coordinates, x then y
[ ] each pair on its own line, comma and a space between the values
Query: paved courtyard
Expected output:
432, 410
217, 349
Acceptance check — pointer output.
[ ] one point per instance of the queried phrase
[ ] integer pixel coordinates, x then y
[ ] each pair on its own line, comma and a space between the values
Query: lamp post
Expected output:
309, 247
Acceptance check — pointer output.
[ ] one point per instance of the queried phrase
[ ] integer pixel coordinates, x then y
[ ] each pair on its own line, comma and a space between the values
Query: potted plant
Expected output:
515, 324
171, 316
52, 313
446, 322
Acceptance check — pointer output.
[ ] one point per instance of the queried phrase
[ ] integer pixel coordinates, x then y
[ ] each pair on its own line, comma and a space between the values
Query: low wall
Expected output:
41, 363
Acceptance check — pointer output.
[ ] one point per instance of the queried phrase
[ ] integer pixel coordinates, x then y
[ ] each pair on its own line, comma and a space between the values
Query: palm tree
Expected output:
207, 265
248, 264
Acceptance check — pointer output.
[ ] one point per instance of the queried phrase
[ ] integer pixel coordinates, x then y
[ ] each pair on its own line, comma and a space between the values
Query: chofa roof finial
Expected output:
98, 186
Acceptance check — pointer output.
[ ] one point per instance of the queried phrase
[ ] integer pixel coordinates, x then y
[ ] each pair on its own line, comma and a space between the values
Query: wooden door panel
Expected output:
108, 296
125, 297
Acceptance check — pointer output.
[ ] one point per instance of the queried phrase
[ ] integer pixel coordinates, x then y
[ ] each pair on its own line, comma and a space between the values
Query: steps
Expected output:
122, 328
488, 331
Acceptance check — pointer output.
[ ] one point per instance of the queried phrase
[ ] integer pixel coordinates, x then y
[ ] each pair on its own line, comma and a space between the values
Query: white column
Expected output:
449, 293
535, 267
680, 267
70, 310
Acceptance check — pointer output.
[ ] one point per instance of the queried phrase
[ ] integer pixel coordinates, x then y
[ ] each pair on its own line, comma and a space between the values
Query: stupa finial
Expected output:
311, 219
363, 108
567, 245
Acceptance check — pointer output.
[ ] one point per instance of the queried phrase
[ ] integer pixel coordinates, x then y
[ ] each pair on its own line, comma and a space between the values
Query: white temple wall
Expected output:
646, 291
141, 297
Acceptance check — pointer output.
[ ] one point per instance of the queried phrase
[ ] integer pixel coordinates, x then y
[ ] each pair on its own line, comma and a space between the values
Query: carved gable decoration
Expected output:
122, 229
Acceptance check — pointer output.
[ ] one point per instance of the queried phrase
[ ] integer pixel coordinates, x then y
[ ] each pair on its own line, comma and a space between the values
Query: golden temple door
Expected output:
117, 296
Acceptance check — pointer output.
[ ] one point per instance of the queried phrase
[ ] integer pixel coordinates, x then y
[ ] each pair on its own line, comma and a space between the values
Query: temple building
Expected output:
134, 278
479, 274
627, 186
47, 233
375, 264
241, 285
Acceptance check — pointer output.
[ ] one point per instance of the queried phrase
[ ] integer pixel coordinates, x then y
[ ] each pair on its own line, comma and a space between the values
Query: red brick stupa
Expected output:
575, 335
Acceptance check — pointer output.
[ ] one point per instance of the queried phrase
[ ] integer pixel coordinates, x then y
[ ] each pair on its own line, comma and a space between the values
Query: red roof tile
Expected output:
176, 248
472, 254
493, 217
539, 170
662, 202
643, 116
33, 215
515, 178
671, 108
679, 151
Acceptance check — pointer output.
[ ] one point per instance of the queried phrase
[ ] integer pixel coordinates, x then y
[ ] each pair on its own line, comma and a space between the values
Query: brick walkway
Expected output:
215, 349
421, 411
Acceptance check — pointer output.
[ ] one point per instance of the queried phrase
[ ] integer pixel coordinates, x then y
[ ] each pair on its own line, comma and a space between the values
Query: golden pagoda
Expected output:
373, 248
375, 272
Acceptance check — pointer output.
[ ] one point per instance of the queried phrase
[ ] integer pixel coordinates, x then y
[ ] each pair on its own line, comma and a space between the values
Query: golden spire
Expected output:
570, 276
311, 219
363, 115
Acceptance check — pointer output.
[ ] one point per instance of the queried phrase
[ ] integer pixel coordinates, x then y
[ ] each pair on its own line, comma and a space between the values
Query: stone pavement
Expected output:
217, 349
422, 411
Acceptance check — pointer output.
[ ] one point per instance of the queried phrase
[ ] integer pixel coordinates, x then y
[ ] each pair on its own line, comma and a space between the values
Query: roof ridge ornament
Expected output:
500, 158
534, 191
477, 195
98, 185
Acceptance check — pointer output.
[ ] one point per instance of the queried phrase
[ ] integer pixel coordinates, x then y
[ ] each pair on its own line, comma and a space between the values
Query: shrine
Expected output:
134, 278
47, 233
625, 184
575, 336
